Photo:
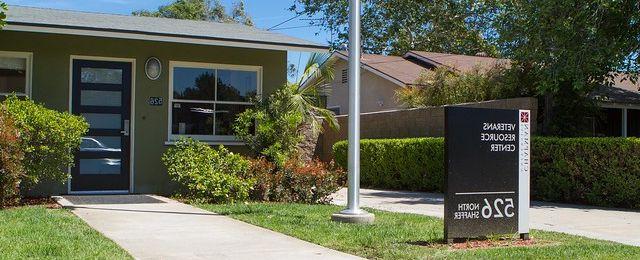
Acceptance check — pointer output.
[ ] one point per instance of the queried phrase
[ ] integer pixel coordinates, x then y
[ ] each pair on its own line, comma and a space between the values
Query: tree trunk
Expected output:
307, 147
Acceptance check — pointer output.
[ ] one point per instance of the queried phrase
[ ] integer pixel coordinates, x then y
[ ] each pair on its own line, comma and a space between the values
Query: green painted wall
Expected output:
51, 58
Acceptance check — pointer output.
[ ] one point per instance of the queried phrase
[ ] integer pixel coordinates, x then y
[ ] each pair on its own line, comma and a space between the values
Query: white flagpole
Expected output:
353, 213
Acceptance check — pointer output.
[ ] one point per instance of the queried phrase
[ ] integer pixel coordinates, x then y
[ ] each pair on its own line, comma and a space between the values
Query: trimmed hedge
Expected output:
400, 164
595, 171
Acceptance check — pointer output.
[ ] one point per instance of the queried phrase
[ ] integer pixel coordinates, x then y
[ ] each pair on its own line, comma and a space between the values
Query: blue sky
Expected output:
265, 13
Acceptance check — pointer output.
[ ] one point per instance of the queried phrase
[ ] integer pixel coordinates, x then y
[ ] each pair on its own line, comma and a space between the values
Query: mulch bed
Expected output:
479, 243
47, 202
475, 244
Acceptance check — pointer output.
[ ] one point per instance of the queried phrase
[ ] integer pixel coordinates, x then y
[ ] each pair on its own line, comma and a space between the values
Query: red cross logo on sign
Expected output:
524, 117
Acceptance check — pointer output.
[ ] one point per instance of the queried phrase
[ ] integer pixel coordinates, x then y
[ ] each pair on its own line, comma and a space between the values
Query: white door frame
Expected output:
133, 107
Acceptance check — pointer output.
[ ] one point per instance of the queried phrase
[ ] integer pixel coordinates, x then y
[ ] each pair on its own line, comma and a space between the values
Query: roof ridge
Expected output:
129, 16
67, 10
453, 54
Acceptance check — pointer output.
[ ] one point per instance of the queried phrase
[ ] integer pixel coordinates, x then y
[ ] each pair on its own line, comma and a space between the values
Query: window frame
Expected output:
212, 139
29, 71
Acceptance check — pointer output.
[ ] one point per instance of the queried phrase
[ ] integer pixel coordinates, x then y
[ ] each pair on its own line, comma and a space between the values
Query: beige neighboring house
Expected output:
382, 75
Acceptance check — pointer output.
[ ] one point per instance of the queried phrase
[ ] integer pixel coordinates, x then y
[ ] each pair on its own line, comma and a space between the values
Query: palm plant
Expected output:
289, 121
306, 100
308, 90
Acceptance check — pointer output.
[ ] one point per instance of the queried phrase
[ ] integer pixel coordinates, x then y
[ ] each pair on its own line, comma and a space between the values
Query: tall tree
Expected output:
396, 26
239, 14
3, 15
570, 48
203, 10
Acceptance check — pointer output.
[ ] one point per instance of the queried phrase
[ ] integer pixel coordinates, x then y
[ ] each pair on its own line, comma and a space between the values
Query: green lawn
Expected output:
39, 233
396, 235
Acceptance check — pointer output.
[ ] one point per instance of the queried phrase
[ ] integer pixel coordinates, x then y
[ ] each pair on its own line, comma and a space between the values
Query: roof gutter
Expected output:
161, 37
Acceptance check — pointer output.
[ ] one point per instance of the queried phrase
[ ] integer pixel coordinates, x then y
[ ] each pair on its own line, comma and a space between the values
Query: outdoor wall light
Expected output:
153, 68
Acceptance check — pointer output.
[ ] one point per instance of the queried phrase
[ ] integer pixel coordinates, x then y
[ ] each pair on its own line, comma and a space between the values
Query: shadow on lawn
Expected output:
432, 243
247, 210
409, 197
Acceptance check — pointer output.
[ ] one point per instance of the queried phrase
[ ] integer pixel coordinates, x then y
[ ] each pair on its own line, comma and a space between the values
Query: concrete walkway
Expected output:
154, 227
616, 225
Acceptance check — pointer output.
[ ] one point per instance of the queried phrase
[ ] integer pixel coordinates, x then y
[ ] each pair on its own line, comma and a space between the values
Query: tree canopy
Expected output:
3, 15
203, 10
397, 26
570, 48
574, 44
563, 49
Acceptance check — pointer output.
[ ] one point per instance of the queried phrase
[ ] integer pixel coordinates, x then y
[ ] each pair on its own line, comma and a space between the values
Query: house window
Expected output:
335, 110
345, 76
205, 99
15, 73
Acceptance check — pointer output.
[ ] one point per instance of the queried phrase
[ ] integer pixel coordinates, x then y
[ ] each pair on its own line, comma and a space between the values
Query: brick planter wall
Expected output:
418, 122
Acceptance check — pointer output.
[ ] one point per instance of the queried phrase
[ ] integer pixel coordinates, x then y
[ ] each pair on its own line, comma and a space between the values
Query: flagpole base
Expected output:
359, 217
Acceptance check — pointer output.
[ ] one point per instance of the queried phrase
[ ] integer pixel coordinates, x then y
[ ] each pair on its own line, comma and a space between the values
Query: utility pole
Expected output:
353, 213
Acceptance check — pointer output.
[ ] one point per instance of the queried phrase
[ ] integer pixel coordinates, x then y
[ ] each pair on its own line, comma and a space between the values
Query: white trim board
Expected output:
133, 115
159, 38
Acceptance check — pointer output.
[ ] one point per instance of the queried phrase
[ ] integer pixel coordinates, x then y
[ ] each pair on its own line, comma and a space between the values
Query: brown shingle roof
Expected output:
622, 81
394, 67
462, 63
406, 71
623, 91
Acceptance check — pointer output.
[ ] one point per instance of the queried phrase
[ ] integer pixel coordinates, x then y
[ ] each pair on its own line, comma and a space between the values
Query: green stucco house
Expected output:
141, 83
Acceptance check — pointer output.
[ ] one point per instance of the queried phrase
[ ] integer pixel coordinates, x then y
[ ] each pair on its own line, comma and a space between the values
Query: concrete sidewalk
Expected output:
616, 225
154, 227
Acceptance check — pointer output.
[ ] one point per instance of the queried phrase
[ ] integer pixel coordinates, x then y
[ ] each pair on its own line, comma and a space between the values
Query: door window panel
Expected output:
101, 76
104, 166
101, 98
103, 121
101, 144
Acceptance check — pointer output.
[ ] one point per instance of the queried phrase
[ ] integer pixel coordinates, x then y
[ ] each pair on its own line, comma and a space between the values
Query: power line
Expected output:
288, 20
296, 27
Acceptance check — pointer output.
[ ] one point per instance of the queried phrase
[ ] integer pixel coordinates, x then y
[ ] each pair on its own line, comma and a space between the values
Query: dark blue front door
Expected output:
102, 95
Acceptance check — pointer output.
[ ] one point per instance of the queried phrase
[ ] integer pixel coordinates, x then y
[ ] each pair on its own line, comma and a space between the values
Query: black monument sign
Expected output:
487, 180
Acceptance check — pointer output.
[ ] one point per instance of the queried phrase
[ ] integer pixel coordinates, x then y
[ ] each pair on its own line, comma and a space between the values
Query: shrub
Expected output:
406, 164
49, 139
11, 170
3, 14
271, 129
442, 86
207, 174
311, 182
594, 171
